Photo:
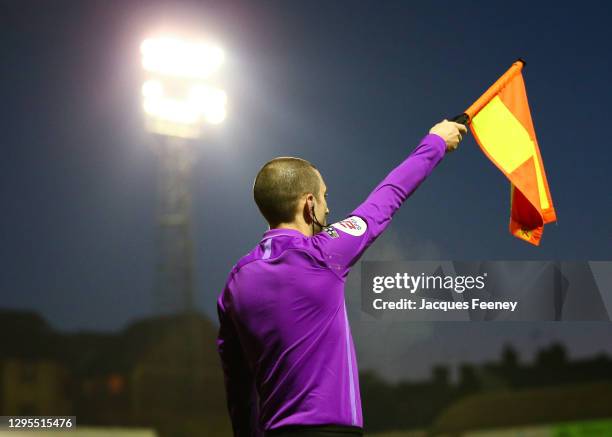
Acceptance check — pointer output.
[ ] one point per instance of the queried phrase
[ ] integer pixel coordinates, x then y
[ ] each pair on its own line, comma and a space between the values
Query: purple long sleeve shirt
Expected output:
284, 337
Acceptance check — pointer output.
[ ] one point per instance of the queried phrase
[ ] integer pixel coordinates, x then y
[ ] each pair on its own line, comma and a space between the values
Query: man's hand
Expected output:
450, 132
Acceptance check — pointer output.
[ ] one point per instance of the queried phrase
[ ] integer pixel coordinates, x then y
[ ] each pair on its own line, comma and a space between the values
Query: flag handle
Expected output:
461, 118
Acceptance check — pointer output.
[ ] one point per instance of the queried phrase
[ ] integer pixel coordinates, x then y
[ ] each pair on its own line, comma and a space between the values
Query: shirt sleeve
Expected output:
239, 383
342, 244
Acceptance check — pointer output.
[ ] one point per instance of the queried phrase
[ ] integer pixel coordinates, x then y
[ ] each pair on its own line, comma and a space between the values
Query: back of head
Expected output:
280, 184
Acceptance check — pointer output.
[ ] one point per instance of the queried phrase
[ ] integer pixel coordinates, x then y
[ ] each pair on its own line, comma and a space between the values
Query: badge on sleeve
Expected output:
352, 225
331, 231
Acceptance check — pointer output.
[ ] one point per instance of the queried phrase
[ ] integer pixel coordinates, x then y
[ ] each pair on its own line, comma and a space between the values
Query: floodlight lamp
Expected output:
179, 58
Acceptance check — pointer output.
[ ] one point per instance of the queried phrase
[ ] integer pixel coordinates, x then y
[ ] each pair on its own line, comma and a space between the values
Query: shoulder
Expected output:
243, 261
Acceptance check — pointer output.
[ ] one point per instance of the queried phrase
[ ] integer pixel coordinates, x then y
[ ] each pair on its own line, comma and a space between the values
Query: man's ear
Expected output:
308, 205
310, 200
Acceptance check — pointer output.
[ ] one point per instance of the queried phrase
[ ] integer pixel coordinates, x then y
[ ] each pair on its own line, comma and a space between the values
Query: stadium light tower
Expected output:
179, 100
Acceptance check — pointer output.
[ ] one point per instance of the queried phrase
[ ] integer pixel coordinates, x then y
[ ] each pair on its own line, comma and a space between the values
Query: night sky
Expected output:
350, 86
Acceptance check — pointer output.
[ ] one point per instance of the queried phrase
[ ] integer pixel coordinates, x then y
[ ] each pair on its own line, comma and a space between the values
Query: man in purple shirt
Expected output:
284, 337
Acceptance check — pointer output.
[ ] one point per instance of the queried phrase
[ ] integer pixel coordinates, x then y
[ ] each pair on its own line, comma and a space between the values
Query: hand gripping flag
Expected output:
501, 124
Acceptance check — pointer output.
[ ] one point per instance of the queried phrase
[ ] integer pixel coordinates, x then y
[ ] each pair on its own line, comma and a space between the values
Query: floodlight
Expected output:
178, 58
177, 98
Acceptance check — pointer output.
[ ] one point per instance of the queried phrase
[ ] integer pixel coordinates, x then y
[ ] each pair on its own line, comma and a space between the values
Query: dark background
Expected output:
350, 86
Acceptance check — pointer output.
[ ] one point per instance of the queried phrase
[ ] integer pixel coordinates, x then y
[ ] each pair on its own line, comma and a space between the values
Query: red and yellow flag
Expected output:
501, 124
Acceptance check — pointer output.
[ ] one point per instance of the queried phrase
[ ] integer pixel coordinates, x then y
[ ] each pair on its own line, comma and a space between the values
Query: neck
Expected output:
302, 227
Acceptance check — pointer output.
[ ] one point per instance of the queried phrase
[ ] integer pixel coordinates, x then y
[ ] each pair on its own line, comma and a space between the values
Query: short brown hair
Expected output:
279, 185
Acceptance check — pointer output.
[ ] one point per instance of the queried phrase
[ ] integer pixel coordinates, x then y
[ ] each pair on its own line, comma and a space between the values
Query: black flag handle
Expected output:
461, 118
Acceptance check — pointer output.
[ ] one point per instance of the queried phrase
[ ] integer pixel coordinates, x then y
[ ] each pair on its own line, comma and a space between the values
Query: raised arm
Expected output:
343, 244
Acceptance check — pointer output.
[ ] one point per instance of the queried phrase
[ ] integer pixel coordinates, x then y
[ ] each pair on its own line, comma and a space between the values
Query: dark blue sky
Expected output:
350, 86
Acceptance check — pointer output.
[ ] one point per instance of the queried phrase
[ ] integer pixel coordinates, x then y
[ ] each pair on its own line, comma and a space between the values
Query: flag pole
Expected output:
466, 117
